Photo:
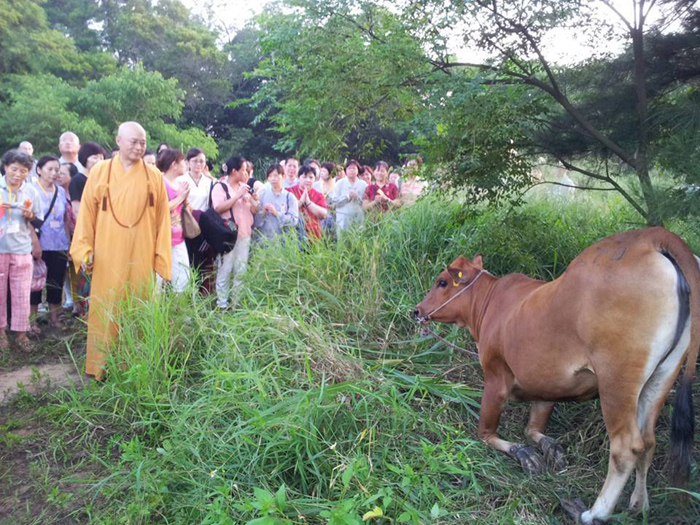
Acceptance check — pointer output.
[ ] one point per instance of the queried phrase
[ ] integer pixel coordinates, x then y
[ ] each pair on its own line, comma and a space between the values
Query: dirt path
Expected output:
37, 379
48, 366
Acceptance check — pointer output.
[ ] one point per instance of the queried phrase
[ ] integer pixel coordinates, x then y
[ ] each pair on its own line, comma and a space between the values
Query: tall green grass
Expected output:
316, 401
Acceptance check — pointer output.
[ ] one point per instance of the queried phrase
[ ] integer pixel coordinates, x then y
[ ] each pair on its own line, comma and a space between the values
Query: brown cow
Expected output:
619, 323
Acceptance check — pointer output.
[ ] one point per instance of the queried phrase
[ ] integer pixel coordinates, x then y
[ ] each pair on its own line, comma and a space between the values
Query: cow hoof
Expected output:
553, 453
530, 460
576, 509
639, 503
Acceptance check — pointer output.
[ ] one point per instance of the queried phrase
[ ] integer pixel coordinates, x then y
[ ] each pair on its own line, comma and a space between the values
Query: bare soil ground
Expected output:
52, 363
42, 481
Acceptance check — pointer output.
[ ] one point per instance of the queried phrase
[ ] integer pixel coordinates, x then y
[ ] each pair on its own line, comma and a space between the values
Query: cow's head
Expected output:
445, 300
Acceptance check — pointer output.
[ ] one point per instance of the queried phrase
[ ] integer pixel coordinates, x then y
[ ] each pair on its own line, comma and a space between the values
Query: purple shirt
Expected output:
53, 236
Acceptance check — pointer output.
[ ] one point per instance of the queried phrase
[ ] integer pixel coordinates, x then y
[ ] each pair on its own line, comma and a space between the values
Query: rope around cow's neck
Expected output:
425, 329
457, 294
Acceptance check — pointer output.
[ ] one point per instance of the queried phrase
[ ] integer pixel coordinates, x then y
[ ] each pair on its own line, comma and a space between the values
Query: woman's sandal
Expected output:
25, 345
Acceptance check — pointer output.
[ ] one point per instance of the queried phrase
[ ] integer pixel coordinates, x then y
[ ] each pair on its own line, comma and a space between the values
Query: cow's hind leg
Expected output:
536, 426
651, 402
626, 445
496, 389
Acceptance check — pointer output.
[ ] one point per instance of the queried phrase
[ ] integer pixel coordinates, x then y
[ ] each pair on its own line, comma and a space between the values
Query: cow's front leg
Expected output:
536, 426
496, 388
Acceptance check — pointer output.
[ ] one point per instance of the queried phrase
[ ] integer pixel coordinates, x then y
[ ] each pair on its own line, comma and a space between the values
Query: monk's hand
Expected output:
86, 265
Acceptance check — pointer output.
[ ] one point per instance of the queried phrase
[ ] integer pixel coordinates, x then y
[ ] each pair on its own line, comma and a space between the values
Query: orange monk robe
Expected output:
125, 255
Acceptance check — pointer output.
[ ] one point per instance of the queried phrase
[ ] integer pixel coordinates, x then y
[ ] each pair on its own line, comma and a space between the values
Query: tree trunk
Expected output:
642, 160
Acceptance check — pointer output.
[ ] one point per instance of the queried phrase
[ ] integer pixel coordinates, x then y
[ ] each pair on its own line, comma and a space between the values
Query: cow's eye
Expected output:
442, 283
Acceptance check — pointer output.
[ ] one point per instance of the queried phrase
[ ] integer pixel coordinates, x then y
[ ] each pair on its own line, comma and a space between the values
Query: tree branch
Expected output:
607, 179
619, 15
573, 186
651, 6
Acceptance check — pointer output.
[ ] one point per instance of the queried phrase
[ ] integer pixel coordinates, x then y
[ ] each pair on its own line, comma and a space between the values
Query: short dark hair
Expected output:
234, 162
328, 166
17, 157
88, 150
306, 169
193, 152
355, 163
148, 152
381, 164
291, 158
72, 169
275, 167
45, 160
167, 158
311, 161
161, 145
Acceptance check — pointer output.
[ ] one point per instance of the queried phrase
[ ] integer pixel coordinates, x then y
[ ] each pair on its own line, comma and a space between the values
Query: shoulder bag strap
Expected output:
53, 201
228, 196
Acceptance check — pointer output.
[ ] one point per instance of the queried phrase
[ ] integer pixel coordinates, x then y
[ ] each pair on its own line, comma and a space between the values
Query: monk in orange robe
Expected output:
122, 236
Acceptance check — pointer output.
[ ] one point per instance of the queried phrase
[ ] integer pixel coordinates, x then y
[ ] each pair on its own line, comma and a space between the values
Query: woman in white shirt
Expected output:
199, 184
347, 197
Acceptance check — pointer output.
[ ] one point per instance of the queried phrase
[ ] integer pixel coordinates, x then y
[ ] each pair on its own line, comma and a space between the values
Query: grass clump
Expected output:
315, 401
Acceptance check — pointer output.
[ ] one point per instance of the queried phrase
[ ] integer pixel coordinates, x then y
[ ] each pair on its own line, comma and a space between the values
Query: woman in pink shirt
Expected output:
233, 199
172, 163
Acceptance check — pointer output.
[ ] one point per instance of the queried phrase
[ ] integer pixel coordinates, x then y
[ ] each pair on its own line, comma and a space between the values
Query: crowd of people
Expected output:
104, 223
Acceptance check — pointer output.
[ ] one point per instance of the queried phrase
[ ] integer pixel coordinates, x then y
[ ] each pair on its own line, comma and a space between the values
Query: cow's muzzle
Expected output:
422, 319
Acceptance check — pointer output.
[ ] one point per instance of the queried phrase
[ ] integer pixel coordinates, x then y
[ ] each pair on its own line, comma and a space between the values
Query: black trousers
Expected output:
197, 258
56, 264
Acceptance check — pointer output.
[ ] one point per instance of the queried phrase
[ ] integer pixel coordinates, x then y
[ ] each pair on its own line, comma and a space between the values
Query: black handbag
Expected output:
38, 223
216, 232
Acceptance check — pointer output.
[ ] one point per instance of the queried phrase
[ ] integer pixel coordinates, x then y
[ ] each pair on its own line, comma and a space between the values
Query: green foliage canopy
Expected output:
323, 57
39, 108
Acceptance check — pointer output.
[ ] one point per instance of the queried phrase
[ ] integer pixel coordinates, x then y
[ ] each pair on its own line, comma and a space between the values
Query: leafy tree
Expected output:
237, 126
333, 74
41, 107
161, 35
79, 19
318, 41
28, 44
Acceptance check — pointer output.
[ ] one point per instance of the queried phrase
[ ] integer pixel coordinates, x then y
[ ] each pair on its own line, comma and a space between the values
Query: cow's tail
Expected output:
683, 419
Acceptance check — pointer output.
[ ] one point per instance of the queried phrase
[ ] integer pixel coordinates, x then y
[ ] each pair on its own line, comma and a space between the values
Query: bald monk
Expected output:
122, 236
68, 146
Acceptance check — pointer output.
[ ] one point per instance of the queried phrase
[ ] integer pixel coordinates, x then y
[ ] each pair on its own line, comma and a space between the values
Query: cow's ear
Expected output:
478, 261
458, 275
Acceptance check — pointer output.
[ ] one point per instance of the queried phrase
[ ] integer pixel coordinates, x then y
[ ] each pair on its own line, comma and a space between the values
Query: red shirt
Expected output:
313, 224
389, 189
